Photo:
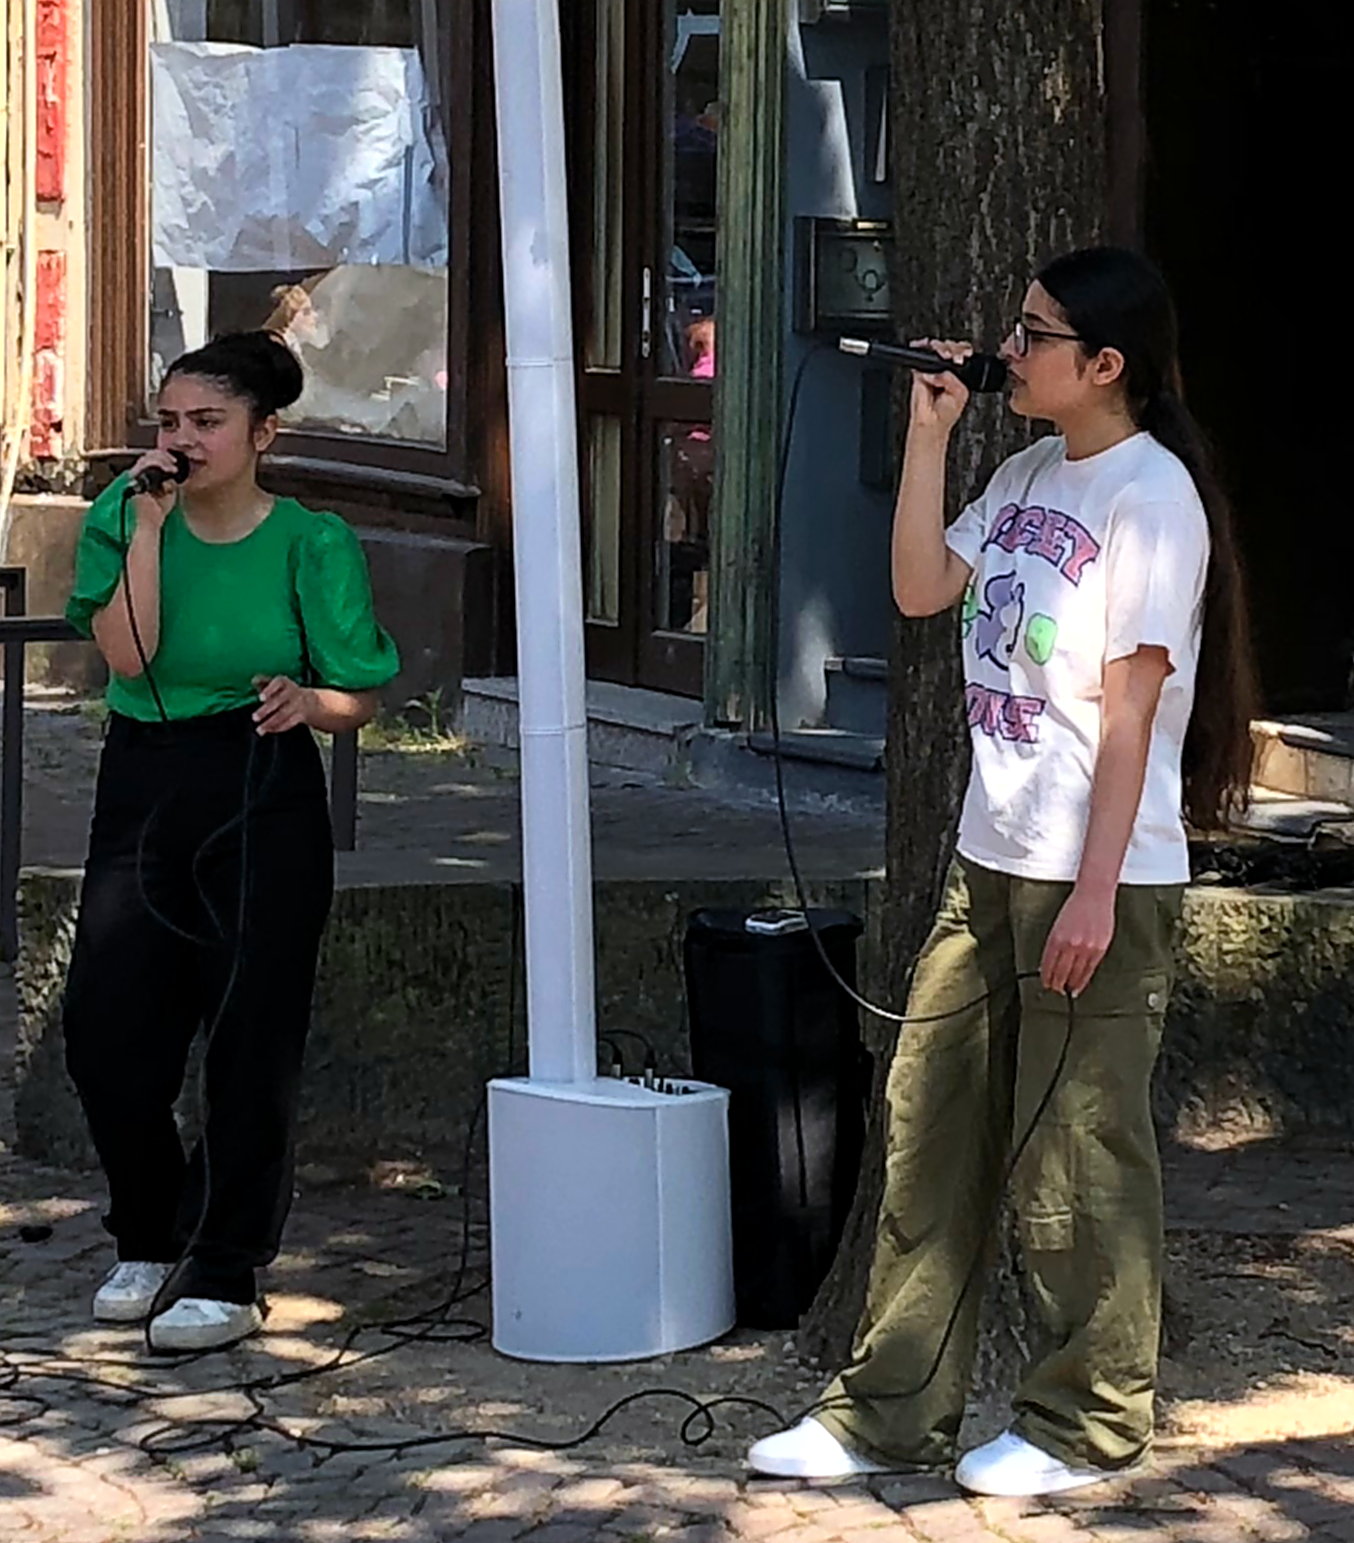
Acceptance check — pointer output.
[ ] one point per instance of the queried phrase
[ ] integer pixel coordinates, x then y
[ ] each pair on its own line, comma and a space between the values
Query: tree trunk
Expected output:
999, 141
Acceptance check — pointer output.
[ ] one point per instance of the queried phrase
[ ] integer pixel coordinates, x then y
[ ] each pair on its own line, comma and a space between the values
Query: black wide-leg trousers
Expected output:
208, 884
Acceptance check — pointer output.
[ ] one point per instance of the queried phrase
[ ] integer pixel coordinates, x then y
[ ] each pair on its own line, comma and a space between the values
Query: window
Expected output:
300, 180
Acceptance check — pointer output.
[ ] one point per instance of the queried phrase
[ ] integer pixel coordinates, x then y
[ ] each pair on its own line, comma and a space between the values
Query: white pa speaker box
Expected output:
609, 1202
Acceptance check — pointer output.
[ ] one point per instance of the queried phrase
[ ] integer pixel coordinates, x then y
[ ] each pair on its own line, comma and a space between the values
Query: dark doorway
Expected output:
1246, 150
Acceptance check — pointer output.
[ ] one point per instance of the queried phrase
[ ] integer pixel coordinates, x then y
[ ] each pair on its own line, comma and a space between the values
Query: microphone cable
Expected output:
888, 1015
698, 1425
435, 1325
248, 802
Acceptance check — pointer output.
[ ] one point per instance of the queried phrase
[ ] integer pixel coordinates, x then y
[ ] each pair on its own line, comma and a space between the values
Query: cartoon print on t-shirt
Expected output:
1041, 634
1060, 540
1000, 715
996, 629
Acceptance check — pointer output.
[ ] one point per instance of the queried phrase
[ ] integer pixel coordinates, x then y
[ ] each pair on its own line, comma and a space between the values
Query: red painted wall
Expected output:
55, 22
53, 50
49, 360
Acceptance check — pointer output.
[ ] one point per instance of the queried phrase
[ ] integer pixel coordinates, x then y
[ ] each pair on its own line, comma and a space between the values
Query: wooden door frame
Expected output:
667, 661
611, 650
119, 260
633, 652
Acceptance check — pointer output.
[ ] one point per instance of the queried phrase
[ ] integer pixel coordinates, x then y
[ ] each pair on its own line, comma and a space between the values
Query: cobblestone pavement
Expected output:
100, 1444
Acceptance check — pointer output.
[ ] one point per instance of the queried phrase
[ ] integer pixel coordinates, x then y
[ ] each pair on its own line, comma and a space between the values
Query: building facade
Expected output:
176, 168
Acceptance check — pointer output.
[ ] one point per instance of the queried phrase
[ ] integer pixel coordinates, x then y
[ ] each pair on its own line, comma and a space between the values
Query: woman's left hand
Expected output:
283, 705
1080, 939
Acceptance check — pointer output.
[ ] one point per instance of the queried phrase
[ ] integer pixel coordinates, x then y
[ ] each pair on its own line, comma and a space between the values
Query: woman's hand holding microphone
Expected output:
938, 401
283, 704
153, 508
927, 577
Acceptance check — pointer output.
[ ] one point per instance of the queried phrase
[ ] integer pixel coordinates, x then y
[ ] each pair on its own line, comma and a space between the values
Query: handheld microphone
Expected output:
979, 372
151, 479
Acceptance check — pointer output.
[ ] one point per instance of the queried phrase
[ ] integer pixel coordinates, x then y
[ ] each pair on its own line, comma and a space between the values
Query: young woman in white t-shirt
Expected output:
1108, 689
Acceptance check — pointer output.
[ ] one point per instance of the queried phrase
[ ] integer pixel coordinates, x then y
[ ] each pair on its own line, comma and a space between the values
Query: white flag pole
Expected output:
556, 837
610, 1227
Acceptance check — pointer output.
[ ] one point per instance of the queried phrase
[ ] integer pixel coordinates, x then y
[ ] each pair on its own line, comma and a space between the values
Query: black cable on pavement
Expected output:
436, 1326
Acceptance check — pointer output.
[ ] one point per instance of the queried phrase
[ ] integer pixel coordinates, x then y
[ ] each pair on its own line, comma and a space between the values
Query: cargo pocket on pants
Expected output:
1100, 1103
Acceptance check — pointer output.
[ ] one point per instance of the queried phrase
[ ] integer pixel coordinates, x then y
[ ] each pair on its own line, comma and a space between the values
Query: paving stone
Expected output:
757, 1522
588, 1493
698, 1496
641, 1521
247, 1529
552, 1531
538, 1462
1212, 1530
1254, 1515
943, 1519
1049, 1527
1126, 1530
312, 1529
1280, 1529
1247, 1468
462, 1479
808, 1531
495, 1530
767, 1492
913, 1490
700, 1532
1203, 1479
863, 1512
1313, 1509
813, 1502
891, 1529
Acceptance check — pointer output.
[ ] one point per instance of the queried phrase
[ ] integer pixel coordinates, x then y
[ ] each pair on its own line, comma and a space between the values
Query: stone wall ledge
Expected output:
420, 1001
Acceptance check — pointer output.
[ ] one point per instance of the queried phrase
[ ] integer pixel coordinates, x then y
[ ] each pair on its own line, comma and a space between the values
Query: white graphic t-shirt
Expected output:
1075, 564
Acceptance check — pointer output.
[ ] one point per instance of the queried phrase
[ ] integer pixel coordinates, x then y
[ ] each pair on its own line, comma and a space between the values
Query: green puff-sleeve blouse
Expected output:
292, 598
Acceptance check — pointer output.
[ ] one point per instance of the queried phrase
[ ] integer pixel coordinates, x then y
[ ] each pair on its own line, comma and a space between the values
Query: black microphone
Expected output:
979, 372
151, 479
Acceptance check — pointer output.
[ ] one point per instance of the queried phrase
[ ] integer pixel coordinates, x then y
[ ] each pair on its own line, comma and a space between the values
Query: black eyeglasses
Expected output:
1021, 336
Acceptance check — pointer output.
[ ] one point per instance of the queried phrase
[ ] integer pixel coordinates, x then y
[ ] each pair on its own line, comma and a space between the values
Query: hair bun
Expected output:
271, 362
255, 365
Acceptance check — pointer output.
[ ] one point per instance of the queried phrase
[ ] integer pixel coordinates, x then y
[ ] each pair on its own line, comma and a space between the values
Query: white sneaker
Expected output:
808, 1451
1012, 1467
129, 1292
197, 1323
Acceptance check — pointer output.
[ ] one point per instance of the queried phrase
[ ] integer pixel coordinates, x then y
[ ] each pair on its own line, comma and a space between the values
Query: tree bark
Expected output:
999, 142
751, 262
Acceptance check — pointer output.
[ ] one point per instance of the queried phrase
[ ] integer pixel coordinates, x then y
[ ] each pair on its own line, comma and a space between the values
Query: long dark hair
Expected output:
1114, 298
257, 367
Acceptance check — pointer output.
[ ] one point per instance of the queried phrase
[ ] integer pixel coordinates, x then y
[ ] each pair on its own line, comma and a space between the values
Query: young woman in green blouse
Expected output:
233, 623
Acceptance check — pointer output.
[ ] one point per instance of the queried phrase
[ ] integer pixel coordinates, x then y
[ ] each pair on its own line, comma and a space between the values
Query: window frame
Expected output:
119, 214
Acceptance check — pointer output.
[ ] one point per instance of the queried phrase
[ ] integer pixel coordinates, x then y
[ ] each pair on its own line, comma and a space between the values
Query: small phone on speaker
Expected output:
774, 923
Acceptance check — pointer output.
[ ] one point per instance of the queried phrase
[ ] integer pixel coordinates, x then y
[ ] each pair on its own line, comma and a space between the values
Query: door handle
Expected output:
646, 314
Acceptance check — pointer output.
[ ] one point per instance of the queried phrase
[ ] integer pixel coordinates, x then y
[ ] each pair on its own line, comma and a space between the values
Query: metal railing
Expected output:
17, 631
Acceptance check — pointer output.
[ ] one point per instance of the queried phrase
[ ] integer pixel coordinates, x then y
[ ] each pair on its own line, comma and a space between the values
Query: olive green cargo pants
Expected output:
962, 1093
